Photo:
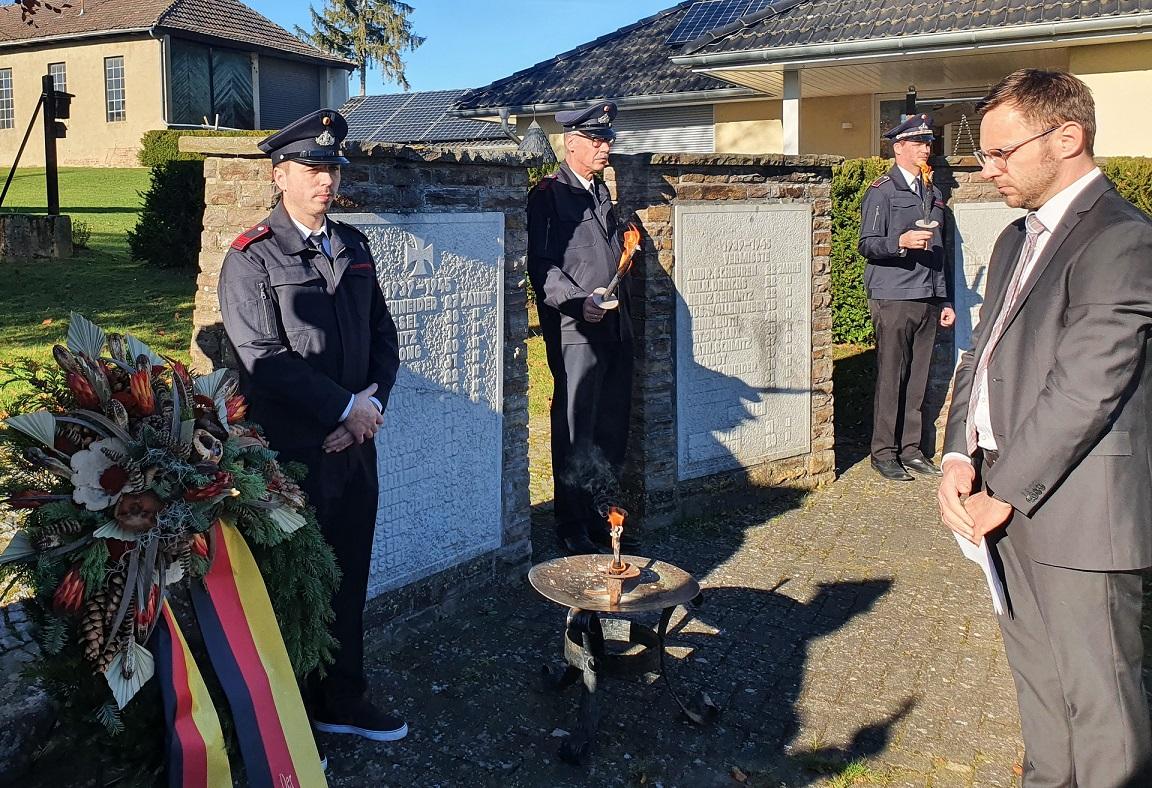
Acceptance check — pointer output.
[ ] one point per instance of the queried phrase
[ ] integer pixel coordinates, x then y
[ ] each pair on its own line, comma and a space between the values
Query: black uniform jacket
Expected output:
309, 334
888, 210
573, 248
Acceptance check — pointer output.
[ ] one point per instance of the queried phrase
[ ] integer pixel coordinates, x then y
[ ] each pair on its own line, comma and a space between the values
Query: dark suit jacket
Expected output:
308, 334
1070, 387
573, 248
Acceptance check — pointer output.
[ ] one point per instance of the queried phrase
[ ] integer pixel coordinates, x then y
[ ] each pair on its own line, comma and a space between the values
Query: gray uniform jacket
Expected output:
309, 334
573, 248
1070, 387
888, 210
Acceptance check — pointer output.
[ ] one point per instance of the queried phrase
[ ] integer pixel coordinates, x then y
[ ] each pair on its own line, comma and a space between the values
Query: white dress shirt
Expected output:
1050, 215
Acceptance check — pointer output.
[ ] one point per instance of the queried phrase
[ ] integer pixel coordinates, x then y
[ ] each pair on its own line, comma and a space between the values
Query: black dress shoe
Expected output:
921, 465
581, 545
891, 470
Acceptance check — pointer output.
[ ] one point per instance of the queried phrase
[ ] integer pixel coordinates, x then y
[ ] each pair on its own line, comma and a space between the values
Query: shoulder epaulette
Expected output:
250, 236
883, 179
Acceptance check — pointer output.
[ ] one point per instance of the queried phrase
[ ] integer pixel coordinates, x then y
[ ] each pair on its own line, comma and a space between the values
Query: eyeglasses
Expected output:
998, 157
597, 142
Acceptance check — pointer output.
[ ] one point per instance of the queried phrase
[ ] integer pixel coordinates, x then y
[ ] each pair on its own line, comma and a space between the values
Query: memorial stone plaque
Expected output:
440, 451
978, 225
743, 334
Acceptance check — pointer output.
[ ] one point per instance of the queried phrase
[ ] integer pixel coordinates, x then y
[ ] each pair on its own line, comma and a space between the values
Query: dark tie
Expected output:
1035, 229
319, 242
593, 187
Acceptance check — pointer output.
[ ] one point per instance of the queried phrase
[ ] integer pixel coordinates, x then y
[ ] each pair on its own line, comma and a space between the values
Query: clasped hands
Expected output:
971, 516
361, 424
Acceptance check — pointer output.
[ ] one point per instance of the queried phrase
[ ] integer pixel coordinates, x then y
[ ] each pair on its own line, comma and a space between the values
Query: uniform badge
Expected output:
326, 139
604, 119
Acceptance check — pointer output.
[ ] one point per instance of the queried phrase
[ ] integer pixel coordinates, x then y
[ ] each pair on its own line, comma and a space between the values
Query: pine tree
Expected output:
368, 32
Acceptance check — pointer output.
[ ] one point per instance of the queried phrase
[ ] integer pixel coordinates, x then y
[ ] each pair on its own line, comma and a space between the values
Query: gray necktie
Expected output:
320, 243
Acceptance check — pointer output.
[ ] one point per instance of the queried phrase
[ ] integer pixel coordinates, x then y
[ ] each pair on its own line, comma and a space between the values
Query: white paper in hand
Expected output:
980, 554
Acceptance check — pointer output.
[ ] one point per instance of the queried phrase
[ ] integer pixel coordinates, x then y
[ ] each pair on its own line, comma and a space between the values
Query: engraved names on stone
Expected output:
743, 334
440, 454
978, 225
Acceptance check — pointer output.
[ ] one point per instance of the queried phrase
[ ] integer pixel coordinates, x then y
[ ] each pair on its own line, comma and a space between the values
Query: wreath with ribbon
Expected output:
132, 478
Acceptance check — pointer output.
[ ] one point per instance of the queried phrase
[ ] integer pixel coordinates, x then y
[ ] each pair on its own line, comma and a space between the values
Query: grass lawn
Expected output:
100, 282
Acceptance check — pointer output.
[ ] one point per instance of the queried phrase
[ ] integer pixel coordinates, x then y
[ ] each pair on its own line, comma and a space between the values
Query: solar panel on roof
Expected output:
413, 118
707, 15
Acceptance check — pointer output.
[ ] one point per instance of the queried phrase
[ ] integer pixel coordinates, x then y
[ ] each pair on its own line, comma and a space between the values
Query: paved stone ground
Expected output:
838, 626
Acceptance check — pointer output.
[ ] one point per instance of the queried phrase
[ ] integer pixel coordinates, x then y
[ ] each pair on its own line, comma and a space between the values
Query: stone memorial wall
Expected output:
447, 230
733, 322
743, 335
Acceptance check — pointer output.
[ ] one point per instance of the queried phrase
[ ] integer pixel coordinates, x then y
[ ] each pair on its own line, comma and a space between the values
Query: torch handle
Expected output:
611, 288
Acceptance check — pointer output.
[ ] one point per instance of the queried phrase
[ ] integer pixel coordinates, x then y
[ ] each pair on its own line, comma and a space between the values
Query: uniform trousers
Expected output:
905, 335
343, 488
591, 408
1073, 643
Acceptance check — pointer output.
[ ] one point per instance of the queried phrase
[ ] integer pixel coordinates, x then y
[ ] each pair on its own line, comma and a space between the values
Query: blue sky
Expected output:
474, 42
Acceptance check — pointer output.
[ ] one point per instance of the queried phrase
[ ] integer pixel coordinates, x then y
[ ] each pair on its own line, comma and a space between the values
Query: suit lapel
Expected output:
340, 254
1081, 205
600, 213
1004, 258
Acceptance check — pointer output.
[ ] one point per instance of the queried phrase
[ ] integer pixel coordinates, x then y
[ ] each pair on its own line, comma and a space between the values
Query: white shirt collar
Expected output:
909, 176
1052, 212
585, 182
306, 232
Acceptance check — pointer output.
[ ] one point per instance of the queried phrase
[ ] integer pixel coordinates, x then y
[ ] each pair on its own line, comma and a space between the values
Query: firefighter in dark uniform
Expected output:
907, 297
574, 246
318, 356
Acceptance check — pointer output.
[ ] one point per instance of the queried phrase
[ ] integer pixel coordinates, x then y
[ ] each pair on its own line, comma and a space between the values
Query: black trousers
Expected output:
905, 336
343, 487
591, 407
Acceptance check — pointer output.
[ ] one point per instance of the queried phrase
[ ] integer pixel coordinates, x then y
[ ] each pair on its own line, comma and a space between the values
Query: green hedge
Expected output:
850, 320
167, 234
161, 146
1133, 179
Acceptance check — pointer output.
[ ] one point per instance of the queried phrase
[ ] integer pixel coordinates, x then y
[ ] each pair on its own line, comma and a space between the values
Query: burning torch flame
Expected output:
615, 517
631, 244
926, 174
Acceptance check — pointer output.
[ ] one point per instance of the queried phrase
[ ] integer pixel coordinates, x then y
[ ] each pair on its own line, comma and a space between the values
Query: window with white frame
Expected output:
59, 74
7, 109
114, 88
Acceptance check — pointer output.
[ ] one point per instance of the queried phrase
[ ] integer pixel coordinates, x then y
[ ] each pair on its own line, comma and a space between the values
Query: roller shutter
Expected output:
666, 130
288, 90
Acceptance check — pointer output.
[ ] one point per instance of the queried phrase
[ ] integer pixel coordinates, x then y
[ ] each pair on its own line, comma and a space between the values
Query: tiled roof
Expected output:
633, 61
809, 22
228, 21
415, 119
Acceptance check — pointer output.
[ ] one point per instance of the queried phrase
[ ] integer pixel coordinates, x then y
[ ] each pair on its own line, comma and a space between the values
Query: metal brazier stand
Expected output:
612, 645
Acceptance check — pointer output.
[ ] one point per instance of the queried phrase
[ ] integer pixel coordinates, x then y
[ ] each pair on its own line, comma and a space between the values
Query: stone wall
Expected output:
652, 188
25, 236
390, 180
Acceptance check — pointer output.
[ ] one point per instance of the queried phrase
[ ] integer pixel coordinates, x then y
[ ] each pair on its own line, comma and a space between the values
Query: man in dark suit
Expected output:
574, 246
907, 297
1048, 444
318, 356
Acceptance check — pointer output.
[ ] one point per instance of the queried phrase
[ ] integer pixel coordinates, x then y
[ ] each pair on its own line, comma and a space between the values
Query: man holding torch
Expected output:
575, 251
908, 296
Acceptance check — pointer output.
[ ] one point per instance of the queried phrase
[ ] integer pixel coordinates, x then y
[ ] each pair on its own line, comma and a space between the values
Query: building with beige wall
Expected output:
154, 64
829, 76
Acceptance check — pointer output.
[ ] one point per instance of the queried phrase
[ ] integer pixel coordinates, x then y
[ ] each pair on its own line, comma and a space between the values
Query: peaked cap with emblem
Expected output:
596, 121
915, 127
313, 139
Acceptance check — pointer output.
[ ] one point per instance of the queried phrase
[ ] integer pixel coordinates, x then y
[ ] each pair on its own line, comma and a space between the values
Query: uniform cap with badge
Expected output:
915, 128
595, 121
315, 138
